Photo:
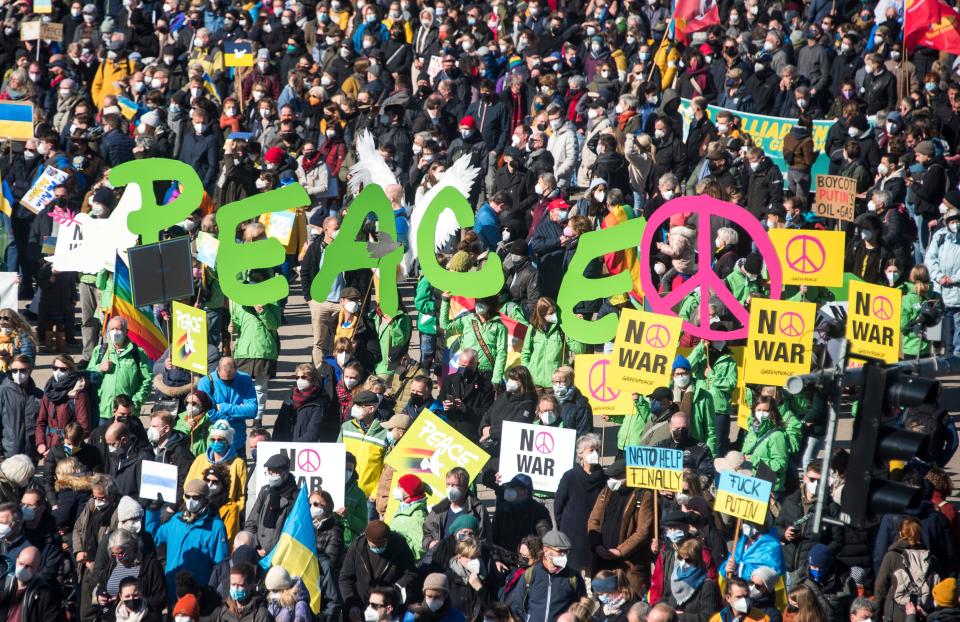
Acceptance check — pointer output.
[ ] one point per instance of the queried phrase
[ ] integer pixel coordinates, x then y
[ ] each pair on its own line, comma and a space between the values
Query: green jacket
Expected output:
723, 375
544, 351
815, 294
740, 287
792, 409
355, 519
425, 302
910, 305
493, 332
767, 445
197, 435
105, 285
702, 426
408, 522
130, 375
393, 336
255, 333
632, 428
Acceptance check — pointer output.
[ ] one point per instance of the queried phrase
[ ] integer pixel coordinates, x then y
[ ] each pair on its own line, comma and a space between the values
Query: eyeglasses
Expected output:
61, 367
377, 605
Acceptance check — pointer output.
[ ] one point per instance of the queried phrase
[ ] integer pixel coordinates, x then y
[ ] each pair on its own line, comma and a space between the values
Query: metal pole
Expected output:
839, 369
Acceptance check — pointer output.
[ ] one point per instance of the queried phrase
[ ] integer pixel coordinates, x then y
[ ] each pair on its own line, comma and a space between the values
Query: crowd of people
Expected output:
577, 117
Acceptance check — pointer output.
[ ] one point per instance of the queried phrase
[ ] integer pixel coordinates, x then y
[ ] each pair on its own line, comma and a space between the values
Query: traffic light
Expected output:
867, 493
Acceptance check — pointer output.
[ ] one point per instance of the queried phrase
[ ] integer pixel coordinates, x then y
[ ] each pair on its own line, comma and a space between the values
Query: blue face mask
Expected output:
816, 574
656, 407
238, 594
378, 549
219, 447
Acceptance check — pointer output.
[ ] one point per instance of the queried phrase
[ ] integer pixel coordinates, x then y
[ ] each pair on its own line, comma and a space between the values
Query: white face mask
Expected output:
551, 318
811, 488
512, 386
303, 384
741, 605
350, 382
682, 381
548, 417
615, 484
560, 561
761, 415
341, 358
667, 194
592, 458
357, 411
351, 307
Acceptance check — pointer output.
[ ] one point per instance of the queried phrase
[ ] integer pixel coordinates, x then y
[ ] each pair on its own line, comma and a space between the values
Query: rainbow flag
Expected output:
141, 327
16, 120
296, 550
625, 260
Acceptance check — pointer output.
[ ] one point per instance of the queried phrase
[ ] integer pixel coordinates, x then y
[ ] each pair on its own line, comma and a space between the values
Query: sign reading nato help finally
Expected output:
657, 468
544, 453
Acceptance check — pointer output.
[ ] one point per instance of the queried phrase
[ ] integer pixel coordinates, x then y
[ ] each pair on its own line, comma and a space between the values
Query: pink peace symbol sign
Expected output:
805, 254
791, 324
308, 460
658, 336
705, 278
597, 382
543, 442
882, 308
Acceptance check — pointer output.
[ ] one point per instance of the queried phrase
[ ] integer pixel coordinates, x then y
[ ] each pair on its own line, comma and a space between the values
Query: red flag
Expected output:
933, 24
692, 16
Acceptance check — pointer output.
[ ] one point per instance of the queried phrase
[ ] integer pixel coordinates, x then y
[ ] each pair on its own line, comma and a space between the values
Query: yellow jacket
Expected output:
211, 59
369, 448
666, 59
407, 28
231, 510
298, 235
106, 78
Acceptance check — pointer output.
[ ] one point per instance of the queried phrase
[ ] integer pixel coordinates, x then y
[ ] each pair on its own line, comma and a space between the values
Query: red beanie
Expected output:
411, 485
187, 606
274, 155
468, 121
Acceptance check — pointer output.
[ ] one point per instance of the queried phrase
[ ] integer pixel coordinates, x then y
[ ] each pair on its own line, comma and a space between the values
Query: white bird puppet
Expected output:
370, 167
460, 176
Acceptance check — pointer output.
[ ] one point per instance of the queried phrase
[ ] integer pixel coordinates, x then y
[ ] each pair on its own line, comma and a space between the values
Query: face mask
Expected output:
238, 594
352, 306
454, 494
953, 226
350, 382
5, 531
761, 415
682, 381
153, 435
560, 561
100, 503
28, 513
675, 535
741, 605
561, 391
755, 591
893, 277
510, 495
219, 447
303, 384
614, 484
370, 614
23, 574
274, 479
667, 194
811, 488
512, 386
194, 505
20, 376
193, 410
117, 336
754, 166
866, 234
434, 604
816, 574
853, 132
357, 411
548, 417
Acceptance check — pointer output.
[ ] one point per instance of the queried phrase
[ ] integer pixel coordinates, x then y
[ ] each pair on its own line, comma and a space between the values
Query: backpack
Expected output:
915, 579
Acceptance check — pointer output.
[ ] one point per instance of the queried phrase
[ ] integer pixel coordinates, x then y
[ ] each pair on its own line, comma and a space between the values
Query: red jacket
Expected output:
53, 418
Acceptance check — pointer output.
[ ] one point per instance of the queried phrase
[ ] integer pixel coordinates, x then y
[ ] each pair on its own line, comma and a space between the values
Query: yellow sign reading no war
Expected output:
810, 257
593, 374
873, 321
780, 341
644, 349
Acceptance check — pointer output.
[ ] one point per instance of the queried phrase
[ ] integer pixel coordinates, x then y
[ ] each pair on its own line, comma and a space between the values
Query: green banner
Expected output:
768, 133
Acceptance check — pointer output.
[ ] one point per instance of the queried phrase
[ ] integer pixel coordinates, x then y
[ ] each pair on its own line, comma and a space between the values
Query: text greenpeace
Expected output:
350, 251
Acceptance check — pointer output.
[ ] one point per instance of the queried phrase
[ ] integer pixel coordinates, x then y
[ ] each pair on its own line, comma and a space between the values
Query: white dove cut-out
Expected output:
101, 238
370, 168
460, 176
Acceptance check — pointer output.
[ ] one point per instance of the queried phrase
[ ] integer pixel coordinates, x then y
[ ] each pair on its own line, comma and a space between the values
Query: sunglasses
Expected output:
61, 368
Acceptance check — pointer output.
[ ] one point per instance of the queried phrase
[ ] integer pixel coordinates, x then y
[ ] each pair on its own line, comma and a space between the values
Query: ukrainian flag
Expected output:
6, 198
16, 120
129, 108
211, 87
237, 54
296, 550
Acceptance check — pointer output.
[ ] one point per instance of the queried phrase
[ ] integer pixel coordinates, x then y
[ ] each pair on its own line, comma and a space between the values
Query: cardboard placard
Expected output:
780, 343
41, 192
316, 465
644, 349
835, 197
808, 257
656, 468
742, 496
189, 348
592, 375
873, 321
158, 478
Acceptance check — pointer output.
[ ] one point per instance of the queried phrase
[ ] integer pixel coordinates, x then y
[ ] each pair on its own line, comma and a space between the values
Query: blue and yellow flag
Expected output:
296, 550
16, 120
129, 108
236, 54
211, 87
6, 198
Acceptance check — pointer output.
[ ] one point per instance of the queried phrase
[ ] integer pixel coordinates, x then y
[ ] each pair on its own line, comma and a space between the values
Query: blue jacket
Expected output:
546, 595
376, 28
116, 148
236, 402
198, 546
452, 616
943, 259
487, 227
765, 551
203, 154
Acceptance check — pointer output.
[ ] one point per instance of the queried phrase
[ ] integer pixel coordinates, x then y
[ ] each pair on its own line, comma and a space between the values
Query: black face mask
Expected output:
680, 436
133, 604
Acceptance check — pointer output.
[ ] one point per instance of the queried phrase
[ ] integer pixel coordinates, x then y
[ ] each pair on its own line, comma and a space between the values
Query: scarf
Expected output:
227, 458
683, 583
125, 615
57, 392
623, 119
299, 398
309, 163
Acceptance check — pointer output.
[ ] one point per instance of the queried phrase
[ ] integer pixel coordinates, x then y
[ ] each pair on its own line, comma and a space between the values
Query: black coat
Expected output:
202, 153
364, 570
612, 168
702, 605
19, 406
796, 553
508, 407
514, 522
476, 396
670, 158
576, 494
576, 413
545, 244
125, 469
42, 602
880, 92
330, 540
765, 188
313, 422
928, 188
